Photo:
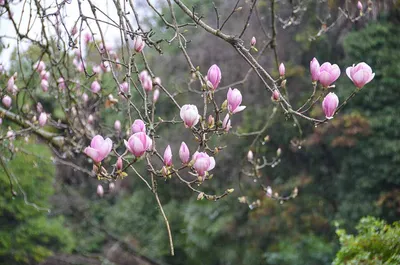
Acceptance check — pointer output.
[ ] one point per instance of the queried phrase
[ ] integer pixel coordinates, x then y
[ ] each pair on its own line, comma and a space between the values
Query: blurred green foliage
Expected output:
29, 234
376, 243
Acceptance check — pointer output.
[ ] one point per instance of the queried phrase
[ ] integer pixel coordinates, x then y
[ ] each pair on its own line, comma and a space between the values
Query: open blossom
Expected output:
329, 105
138, 126
190, 115
214, 76
61, 83
117, 125
99, 148
361, 74
328, 73
95, 87
234, 98
168, 156
138, 44
184, 153
226, 123
6, 101
138, 144
42, 119
45, 85
203, 163
39, 66
282, 69
314, 69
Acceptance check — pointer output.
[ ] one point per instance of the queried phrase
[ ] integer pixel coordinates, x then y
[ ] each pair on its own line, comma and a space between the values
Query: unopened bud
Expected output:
230, 190
100, 190
200, 196
269, 192
224, 105
211, 121
278, 152
111, 186
250, 155
119, 163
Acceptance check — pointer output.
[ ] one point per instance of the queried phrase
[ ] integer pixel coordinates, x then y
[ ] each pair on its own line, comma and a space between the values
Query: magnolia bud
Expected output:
253, 41
275, 95
85, 97
269, 191
250, 155
117, 125
42, 119
157, 81
211, 121
359, 6
282, 69
90, 119
156, 94
278, 152
6, 101
111, 186
100, 191
119, 163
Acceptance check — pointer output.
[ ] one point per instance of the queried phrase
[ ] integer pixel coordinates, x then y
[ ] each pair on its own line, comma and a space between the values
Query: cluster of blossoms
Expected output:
139, 142
326, 74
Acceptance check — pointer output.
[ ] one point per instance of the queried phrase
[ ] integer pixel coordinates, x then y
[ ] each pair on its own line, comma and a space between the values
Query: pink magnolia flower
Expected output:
124, 87
99, 148
359, 6
168, 156
138, 44
45, 85
250, 155
138, 126
314, 69
39, 107
184, 153
156, 94
226, 123
190, 115
282, 69
253, 41
234, 98
61, 83
117, 125
214, 76
147, 84
1, 121
87, 37
143, 75
42, 119
96, 69
90, 119
44, 75
275, 95
85, 97
95, 87
6, 101
157, 81
100, 190
138, 144
361, 74
105, 66
39, 66
328, 73
119, 163
329, 105
11, 87
203, 163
